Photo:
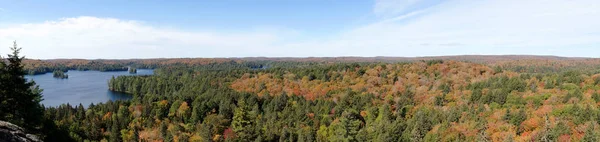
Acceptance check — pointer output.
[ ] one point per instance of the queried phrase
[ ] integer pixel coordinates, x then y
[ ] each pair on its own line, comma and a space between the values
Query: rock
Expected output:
13, 133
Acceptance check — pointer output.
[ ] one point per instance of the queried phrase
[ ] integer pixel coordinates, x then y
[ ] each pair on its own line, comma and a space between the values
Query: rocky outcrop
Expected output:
13, 133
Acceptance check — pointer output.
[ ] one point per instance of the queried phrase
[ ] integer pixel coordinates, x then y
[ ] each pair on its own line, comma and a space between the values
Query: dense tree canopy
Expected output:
299, 101
330, 99
59, 74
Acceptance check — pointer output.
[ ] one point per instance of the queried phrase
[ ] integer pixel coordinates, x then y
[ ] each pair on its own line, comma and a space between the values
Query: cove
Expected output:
83, 87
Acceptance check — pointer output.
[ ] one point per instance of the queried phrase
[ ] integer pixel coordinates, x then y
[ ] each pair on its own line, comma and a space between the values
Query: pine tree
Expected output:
114, 132
243, 121
348, 126
20, 98
163, 130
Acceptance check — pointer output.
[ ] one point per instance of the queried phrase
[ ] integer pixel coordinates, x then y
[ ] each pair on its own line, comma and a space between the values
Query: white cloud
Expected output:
387, 8
91, 37
484, 27
556, 27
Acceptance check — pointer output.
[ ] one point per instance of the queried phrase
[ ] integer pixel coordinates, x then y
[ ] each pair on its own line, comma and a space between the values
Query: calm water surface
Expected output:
83, 87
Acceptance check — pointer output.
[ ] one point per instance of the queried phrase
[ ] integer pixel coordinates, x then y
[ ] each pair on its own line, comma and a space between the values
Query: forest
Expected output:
468, 98
431, 100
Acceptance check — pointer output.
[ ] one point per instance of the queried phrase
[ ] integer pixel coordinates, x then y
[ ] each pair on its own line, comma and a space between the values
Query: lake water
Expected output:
83, 87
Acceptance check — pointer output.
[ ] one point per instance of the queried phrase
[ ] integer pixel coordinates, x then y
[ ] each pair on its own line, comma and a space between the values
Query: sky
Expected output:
117, 29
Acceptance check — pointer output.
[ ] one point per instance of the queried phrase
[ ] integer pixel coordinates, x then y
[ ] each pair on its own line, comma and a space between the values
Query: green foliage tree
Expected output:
132, 70
243, 121
348, 126
590, 134
518, 118
59, 74
21, 99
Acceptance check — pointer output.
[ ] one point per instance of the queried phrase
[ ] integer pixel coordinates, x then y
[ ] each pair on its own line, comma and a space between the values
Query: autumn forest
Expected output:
453, 98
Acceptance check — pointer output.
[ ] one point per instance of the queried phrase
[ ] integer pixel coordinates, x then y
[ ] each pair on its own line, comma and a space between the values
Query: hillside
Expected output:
433, 100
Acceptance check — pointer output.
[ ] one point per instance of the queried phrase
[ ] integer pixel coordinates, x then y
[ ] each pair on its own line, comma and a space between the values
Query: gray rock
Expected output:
13, 133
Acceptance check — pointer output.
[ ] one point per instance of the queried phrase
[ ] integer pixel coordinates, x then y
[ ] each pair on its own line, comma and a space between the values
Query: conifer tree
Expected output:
20, 98
243, 121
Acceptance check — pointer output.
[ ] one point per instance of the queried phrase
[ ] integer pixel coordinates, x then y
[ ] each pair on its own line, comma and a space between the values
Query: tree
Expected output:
422, 121
243, 120
59, 74
20, 98
114, 131
347, 127
164, 132
132, 70
590, 134
214, 125
518, 118
4, 102
183, 111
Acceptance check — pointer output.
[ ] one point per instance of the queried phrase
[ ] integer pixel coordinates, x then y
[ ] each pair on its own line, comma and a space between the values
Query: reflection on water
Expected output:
83, 87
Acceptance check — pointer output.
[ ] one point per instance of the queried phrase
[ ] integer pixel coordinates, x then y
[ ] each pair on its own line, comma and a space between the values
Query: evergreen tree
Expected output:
163, 131
243, 121
590, 134
114, 131
20, 98
348, 126
518, 118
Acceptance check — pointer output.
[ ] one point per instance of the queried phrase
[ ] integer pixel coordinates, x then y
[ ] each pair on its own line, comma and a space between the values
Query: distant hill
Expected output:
519, 63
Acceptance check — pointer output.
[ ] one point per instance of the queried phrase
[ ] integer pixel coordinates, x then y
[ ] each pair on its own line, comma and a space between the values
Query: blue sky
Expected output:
299, 28
317, 15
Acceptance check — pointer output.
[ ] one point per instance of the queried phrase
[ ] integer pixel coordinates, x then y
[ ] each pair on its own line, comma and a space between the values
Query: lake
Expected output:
83, 87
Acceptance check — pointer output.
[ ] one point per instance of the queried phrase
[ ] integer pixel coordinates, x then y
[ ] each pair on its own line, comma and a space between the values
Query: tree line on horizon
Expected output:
521, 64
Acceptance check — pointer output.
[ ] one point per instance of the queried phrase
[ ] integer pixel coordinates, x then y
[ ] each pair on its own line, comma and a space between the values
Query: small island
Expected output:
60, 74
132, 70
